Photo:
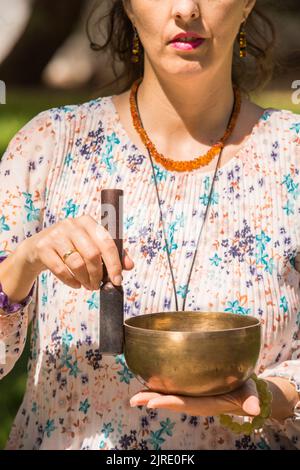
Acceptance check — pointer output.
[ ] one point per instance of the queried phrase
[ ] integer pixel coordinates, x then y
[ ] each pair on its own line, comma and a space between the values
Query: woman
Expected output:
51, 178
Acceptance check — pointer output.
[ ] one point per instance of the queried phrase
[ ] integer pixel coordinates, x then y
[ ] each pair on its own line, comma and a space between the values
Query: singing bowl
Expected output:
192, 353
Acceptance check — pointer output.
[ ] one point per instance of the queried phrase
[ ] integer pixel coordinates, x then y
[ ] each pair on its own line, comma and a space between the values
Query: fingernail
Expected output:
117, 280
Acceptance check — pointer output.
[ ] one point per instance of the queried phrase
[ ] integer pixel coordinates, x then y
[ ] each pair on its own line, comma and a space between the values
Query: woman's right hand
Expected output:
93, 243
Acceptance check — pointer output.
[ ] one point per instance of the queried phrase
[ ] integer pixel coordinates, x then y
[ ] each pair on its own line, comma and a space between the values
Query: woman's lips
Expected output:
187, 46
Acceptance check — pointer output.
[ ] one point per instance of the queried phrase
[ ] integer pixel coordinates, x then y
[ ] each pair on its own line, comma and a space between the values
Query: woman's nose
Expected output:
186, 10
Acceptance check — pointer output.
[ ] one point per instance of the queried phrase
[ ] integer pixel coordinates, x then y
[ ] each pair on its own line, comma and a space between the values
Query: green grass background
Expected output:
21, 106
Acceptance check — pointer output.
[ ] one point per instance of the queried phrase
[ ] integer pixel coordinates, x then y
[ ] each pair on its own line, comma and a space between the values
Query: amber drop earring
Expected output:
243, 41
135, 48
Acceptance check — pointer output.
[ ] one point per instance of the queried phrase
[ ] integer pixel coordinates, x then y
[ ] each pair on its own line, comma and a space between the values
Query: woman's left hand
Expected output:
242, 402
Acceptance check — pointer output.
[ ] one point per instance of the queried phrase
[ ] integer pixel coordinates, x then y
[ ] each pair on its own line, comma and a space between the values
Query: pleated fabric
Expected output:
246, 264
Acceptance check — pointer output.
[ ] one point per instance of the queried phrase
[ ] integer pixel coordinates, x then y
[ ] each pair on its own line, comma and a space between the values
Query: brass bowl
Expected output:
192, 353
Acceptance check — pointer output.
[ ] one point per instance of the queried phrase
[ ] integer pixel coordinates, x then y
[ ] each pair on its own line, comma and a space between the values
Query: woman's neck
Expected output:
200, 106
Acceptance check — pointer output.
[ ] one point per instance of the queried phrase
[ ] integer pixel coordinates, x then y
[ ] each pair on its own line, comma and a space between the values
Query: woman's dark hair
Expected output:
249, 74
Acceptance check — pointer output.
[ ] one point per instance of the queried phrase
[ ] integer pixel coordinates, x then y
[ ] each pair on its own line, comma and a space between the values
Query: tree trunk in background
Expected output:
50, 24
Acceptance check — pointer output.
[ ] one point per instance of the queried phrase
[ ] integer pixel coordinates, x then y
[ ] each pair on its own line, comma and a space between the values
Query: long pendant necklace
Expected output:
235, 110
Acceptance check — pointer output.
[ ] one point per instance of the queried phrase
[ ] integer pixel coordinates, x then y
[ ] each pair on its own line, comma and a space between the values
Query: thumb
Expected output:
128, 262
251, 406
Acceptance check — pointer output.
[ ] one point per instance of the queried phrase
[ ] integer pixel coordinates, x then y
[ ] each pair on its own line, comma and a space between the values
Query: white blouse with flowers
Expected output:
55, 168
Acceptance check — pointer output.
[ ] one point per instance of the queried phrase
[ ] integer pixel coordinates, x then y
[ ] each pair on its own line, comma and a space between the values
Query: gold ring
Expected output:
65, 256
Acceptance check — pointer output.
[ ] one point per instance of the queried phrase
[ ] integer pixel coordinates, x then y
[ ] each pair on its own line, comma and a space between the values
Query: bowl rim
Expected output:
258, 323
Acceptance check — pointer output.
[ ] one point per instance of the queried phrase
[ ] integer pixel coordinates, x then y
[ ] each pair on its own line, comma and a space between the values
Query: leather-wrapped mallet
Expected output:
111, 321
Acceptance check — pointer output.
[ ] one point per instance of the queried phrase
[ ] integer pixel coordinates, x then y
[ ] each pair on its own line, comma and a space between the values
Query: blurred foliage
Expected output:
277, 99
23, 104
20, 108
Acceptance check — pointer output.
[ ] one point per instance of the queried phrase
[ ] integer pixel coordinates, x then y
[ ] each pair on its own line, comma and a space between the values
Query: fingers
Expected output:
157, 400
92, 245
249, 399
89, 266
128, 262
108, 249
246, 399
143, 397
191, 405
240, 402
78, 261
251, 406
59, 269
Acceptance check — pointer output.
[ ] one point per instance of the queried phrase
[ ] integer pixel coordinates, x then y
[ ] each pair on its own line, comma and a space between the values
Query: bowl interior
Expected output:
193, 321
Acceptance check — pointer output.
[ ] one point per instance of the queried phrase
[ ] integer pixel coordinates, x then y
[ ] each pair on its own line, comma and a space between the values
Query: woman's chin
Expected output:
186, 71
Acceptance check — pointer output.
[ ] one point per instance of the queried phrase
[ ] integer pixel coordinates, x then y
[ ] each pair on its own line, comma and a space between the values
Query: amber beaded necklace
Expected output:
184, 165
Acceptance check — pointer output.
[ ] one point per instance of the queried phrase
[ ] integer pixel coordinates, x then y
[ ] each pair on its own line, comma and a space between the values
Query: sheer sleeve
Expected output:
290, 370
23, 175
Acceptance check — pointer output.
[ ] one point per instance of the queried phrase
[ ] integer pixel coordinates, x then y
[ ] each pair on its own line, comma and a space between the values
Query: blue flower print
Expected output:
107, 157
235, 307
275, 151
284, 304
156, 439
128, 222
44, 299
262, 240
204, 199
84, 406
291, 186
74, 369
214, 198
261, 256
34, 407
93, 301
111, 141
111, 167
67, 338
49, 428
125, 374
68, 159
206, 183
160, 174
66, 357
32, 212
296, 127
71, 208
215, 260
44, 279
167, 426
266, 116
173, 226
3, 225
107, 429
182, 291
289, 208
263, 445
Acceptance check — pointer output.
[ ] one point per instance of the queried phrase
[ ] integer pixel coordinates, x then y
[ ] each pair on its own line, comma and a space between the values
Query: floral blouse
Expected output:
55, 168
